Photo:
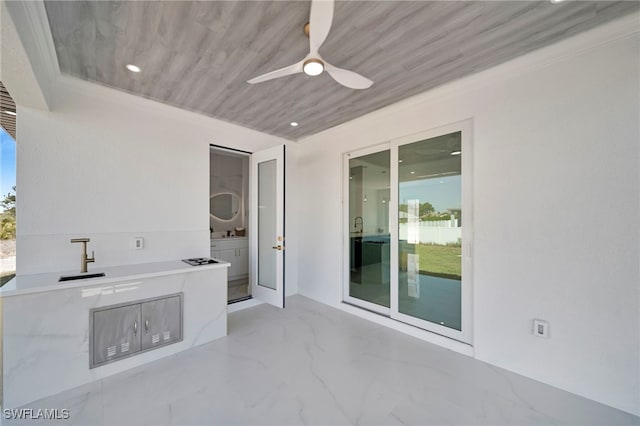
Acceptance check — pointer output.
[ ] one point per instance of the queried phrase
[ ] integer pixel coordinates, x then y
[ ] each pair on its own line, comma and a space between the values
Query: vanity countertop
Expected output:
36, 283
229, 238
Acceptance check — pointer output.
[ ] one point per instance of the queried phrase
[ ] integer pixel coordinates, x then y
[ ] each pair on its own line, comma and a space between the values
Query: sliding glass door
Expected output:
367, 235
424, 183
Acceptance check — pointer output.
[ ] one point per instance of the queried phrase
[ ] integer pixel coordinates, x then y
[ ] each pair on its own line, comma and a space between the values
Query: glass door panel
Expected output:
430, 230
368, 236
267, 233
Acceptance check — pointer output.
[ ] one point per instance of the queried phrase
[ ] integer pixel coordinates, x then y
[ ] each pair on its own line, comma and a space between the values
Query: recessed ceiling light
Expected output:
556, 1
413, 173
313, 67
133, 68
294, 124
456, 152
9, 112
399, 161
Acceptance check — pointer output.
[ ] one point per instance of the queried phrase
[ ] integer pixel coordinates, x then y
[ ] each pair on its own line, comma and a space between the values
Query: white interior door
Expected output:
266, 234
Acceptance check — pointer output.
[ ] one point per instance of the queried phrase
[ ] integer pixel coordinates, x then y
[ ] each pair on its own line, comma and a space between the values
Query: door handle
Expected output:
146, 326
278, 247
135, 328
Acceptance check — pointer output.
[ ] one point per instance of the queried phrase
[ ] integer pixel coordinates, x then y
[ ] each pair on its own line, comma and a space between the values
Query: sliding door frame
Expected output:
466, 334
346, 232
466, 128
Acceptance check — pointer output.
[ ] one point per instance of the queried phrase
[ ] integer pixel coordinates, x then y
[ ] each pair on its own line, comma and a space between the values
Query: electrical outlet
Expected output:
138, 243
540, 328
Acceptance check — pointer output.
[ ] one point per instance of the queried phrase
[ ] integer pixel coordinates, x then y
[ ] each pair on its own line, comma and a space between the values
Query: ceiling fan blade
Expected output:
282, 72
348, 78
320, 21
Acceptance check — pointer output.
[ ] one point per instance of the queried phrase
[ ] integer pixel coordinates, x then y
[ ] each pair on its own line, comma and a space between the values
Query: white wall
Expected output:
556, 135
111, 166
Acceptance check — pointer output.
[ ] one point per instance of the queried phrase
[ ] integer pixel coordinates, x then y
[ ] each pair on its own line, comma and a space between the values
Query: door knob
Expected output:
278, 247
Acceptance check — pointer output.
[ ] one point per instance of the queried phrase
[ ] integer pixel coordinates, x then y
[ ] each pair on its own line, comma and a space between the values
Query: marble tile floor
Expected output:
313, 364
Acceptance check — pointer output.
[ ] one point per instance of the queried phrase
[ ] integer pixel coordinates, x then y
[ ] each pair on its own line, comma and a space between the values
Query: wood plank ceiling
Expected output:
199, 55
7, 121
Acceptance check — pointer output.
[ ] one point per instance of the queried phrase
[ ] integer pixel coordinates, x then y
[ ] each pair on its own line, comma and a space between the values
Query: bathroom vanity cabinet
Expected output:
234, 250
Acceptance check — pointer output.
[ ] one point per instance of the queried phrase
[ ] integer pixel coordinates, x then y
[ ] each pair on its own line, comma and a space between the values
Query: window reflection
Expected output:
369, 194
430, 230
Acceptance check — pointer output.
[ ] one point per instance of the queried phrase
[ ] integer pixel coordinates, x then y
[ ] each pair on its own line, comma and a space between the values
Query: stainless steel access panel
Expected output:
161, 322
116, 333
126, 329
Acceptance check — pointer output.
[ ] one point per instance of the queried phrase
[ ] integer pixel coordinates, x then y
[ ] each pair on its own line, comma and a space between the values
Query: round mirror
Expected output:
224, 206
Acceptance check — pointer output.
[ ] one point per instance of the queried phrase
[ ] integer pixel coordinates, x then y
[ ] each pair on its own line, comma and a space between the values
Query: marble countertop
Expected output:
37, 283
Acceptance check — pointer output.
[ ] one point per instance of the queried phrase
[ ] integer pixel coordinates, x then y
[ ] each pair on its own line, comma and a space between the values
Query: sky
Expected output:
443, 193
7, 162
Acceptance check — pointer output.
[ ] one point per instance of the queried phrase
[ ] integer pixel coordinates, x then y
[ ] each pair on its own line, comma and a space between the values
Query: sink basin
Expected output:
80, 276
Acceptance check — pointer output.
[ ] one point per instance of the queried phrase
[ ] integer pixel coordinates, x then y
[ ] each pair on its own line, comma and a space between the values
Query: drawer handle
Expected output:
146, 325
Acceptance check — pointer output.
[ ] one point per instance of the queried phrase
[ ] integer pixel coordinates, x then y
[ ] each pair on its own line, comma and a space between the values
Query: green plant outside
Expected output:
6, 278
8, 216
7, 226
440, 260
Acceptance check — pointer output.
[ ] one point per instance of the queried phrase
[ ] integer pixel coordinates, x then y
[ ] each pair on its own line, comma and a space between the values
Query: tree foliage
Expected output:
426, 209
8, 216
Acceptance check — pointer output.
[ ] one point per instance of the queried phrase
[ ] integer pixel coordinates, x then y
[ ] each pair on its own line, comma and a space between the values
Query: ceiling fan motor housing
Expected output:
313, 66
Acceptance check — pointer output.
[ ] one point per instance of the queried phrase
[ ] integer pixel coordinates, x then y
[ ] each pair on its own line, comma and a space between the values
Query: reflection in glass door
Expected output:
368, 235
408, 230
430, 230
267, 223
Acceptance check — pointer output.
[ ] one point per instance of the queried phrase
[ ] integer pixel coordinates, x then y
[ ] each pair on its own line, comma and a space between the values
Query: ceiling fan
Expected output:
317, 30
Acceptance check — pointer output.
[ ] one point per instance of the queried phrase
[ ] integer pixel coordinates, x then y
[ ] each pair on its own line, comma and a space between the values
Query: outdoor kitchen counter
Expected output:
46, 324
35, 283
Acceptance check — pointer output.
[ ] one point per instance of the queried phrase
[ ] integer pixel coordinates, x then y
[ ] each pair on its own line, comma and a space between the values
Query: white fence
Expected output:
436, 232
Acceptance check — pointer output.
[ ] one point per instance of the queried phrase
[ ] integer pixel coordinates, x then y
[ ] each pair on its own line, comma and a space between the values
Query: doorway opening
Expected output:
229, 217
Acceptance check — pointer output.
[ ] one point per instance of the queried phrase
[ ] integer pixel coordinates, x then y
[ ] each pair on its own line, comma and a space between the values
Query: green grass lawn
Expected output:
442, 261
6, 278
